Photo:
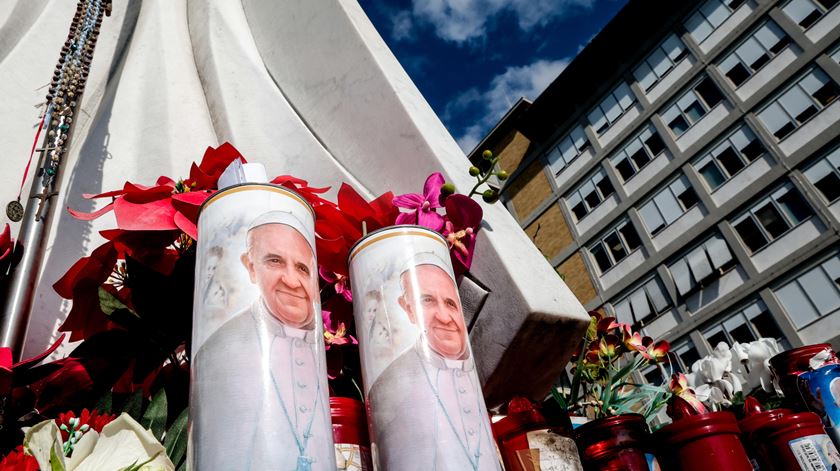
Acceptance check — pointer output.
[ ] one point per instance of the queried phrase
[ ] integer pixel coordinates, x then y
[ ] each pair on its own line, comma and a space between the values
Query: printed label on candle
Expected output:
653, 465
815, 453
352, 457
556, 452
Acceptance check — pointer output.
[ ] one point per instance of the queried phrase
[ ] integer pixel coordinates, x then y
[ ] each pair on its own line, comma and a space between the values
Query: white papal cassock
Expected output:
259, 387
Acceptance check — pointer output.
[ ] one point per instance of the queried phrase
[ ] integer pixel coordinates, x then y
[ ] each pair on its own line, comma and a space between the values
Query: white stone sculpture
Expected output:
306, 87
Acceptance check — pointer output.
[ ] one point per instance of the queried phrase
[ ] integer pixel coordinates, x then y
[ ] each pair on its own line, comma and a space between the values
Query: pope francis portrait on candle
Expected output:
427, 408
260, 392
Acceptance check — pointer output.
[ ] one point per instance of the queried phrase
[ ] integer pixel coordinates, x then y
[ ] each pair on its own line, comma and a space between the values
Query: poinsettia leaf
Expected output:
134, 405
105, 402
154, 418
175, 440
109, 303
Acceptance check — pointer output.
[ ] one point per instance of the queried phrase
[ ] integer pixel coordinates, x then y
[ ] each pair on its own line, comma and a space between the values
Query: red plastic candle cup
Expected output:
754, 421
615, 443
526, 435
796, 442
701, 443
790, 364
350, 433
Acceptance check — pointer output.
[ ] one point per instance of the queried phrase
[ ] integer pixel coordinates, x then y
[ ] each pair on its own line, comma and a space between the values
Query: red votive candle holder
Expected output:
796, 442
756, 418
618, 443
701, 443
529, 435
350, 433
789, 365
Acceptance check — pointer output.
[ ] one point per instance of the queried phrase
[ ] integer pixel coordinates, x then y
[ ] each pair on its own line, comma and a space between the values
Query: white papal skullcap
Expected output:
288, 219
429, 258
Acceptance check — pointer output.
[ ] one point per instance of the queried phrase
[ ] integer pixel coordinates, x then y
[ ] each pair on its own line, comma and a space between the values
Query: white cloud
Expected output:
504, 90
463, 20
402, 26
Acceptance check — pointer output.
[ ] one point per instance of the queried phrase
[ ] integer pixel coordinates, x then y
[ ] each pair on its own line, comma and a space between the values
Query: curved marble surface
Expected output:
306, 87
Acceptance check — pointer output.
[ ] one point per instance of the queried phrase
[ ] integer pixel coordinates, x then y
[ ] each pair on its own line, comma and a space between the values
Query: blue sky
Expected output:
472, 59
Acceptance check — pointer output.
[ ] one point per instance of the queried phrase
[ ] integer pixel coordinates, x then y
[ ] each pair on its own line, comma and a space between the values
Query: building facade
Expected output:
683, 172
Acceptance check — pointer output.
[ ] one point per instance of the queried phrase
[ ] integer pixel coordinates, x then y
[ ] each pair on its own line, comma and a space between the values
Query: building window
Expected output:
813, 294
836, 55
745, 325
661, 61
567, 150
799, 103
772, 217
701, 265
615, 246
668, 205
692, 106
643, 304
586, 197
751, 55
611, 108
806, 12
709, 16
825, 175
640, 150
729, 157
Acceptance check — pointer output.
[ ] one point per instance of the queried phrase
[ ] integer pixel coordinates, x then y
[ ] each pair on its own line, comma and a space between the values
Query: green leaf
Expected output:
155, 417
109, 303
134, 405
136, 467
175, 440
105, 403
183, 466
55, 461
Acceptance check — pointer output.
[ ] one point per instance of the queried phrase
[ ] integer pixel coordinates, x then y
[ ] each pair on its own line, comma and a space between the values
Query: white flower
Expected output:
712, 377
752, 361
123, 443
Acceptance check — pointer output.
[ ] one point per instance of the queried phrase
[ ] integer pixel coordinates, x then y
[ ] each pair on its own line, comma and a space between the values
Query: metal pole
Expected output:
64, 100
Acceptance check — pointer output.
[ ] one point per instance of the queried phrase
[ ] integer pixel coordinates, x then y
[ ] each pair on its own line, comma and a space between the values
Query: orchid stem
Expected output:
358, 389
483, 179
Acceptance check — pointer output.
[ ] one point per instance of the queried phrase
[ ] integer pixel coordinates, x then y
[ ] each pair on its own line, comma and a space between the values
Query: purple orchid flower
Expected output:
424, 205
463, 220
340, 282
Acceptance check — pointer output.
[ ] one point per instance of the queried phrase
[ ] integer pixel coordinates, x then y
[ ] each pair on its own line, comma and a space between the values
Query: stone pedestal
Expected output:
306, 87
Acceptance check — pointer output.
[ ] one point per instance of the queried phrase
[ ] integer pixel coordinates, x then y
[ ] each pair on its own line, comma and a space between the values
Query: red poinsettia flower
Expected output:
301, 187
168, 205
463, 216
18, 460
205, 176
94, 420
6, 243
424, 206
339, 227
8, 369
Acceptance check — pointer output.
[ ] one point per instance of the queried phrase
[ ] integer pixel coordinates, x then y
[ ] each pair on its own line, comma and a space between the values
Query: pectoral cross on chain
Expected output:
43, 197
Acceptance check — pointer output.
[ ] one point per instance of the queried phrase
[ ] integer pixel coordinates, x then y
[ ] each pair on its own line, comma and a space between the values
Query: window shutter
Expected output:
682, 277
699, 264
718, 251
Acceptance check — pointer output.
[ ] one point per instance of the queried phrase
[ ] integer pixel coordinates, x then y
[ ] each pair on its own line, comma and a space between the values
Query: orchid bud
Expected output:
502, 175
474, 171
487, 155
490, 196
447, 188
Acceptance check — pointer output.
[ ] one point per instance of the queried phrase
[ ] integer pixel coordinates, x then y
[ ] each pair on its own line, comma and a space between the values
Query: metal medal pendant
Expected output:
14, 210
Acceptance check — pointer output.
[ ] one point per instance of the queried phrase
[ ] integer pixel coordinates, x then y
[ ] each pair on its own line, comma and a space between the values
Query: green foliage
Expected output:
105, 403
154, 418
55, 461
134, 405
175, 440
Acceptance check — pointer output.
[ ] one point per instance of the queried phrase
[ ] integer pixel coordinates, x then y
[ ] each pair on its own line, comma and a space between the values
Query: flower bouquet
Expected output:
603, 383
131, 314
